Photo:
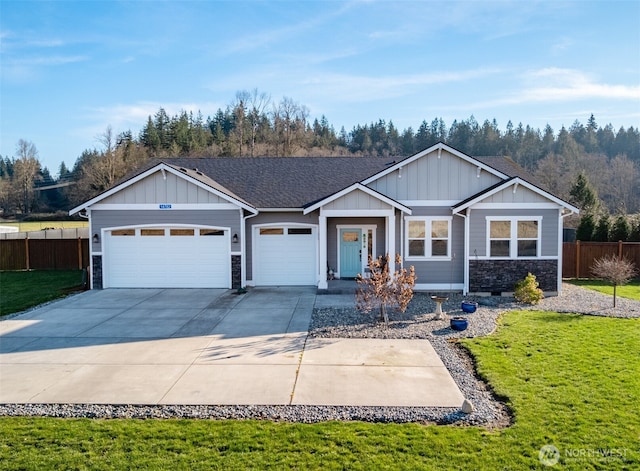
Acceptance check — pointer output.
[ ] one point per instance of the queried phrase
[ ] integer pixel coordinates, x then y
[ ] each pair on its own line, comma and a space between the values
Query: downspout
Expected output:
401, 239
243, 249
560, 240
465, 269
90, 267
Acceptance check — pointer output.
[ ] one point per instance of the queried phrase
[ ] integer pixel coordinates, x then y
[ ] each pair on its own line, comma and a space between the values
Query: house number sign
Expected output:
165, 206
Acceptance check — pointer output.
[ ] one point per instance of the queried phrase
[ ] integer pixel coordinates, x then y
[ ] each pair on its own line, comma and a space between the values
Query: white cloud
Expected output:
554, 85
122, 117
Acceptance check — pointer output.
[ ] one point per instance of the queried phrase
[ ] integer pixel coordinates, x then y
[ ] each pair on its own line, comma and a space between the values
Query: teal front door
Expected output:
350, 252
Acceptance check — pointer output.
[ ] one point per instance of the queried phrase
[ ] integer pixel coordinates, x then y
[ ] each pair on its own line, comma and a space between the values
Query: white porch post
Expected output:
391, 238
322, 242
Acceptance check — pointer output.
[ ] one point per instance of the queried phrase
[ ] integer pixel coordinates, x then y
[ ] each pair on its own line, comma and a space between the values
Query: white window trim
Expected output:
427, 220
513, 240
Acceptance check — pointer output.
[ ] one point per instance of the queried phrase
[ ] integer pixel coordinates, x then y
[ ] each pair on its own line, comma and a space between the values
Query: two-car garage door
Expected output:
167, 257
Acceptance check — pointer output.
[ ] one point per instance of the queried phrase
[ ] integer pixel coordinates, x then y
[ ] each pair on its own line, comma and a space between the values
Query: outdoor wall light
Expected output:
234, 239
96, 238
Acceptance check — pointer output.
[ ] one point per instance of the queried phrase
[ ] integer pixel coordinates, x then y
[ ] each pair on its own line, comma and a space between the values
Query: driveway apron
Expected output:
208, 346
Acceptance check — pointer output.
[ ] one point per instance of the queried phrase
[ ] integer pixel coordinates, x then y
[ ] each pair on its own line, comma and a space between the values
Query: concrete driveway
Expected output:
208, 346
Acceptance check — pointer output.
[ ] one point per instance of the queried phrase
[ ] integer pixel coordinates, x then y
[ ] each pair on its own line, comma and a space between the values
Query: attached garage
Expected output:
167, 257
285, 255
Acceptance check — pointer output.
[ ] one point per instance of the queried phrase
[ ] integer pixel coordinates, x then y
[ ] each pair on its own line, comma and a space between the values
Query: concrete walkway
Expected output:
207, 346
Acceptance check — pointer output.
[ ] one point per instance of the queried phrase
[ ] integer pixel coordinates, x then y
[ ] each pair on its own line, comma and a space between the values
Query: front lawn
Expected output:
572, 382
631, 290
20, 290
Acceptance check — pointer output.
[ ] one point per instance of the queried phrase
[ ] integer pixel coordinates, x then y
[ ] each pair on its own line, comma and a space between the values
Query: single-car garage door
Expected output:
285, 255
167, 257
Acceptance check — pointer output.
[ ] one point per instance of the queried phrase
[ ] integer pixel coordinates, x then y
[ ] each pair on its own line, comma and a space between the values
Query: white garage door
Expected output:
285, 255
167, 257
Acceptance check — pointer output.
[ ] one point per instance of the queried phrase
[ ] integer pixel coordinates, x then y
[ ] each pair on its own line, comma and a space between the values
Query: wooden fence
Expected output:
44, 254
578, 257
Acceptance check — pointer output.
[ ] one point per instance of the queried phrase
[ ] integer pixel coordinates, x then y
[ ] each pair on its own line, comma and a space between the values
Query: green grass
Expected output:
40, 225
571, 381
20, 290
630, 290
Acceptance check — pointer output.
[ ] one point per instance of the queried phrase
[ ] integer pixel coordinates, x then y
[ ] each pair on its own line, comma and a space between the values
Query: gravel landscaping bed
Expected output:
416, 323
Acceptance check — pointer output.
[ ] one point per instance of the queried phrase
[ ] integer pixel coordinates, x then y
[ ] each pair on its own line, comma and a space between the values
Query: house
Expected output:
465, 223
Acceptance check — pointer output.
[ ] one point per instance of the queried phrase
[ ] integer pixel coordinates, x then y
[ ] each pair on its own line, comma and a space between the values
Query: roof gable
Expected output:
439, 173
357, 197
162, 183
513, 191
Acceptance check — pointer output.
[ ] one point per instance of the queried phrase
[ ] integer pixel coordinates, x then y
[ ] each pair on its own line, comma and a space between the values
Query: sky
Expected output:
70, 69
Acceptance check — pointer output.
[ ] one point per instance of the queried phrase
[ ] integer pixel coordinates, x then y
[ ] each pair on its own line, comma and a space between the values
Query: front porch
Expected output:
339, 287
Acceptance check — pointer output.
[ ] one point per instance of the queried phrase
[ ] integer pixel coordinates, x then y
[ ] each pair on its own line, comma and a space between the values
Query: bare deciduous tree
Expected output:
383, 289
617, 271
26, 171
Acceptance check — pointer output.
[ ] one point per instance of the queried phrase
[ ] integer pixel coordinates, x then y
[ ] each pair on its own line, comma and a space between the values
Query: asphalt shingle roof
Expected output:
296, 182
284, 182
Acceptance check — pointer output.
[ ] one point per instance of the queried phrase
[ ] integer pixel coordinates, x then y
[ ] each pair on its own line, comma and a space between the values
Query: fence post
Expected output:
577, 259
620, 249
26, 251
79, 253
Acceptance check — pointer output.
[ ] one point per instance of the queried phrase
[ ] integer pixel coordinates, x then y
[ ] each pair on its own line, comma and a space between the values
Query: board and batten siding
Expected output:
101, 219
355, 200
156, 189
519, 194
440, 271
478, 229
431, 178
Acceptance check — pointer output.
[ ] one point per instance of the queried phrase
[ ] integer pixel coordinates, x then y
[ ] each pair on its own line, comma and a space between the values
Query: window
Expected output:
211, 232
151, 232
182, 232
123, 232
299, 231
428, 237
271, 231
514, 237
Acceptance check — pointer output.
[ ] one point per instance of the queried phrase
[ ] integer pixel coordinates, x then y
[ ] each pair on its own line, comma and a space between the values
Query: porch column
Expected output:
322, 242
391, 238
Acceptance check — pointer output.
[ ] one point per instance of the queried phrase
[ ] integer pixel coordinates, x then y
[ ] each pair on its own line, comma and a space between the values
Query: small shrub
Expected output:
527, 290
384, 290
617, 271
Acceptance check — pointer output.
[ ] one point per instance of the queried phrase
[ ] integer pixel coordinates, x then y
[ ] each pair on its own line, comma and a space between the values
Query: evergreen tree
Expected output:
634, 236
620, 229
601, 232
583, 195
586, 228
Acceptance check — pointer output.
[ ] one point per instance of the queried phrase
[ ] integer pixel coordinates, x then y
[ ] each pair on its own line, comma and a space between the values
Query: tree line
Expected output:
255, 125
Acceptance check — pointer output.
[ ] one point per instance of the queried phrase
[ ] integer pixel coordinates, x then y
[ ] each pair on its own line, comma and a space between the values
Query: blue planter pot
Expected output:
469, 307
459, 323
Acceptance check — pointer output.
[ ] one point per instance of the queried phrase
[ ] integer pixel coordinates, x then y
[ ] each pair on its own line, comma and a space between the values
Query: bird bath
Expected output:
439, 300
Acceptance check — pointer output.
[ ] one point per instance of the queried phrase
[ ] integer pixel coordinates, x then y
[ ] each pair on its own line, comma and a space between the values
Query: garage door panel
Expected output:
285, 256
168, 261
